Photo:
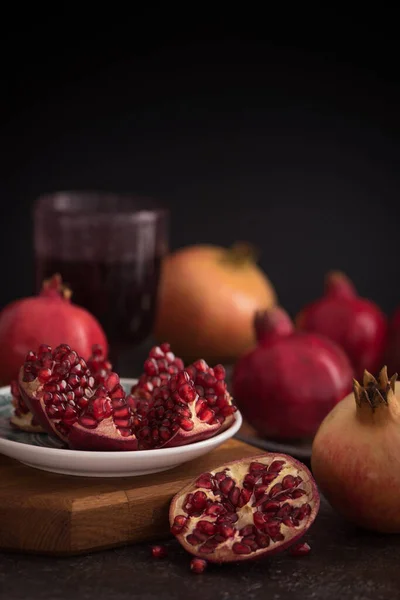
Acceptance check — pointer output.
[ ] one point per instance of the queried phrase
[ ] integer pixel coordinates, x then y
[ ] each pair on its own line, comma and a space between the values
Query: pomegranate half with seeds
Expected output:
245, 509
60, 391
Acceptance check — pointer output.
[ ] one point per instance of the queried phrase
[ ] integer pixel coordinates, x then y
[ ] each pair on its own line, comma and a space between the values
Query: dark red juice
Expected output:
122, 295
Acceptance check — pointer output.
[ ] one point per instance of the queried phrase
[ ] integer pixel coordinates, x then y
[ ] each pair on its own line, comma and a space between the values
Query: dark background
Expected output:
288, 141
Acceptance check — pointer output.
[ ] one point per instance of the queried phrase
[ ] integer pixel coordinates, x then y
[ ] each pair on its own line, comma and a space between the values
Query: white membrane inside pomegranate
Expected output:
245, 509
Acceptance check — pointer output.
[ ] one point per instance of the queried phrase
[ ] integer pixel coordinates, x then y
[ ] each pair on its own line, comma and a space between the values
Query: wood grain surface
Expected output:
48, 513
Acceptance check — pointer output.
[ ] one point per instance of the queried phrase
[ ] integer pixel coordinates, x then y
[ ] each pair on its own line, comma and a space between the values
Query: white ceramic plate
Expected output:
41, 451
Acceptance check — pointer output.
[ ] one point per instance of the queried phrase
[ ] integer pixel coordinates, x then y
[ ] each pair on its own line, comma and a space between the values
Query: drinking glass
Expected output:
108, 248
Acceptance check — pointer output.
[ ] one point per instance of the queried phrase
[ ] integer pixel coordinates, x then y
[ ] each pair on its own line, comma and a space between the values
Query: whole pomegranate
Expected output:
289, 382
49, 317
356, 324
207, 299
355, 454
245, 509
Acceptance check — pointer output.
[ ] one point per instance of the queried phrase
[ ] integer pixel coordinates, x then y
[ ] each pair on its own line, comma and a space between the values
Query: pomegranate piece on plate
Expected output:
178, 415
60, 391
22, 417
245, 509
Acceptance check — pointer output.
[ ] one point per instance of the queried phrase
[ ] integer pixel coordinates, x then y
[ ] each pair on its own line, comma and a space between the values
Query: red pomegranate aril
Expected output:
260, 531
300, 549
198, 565
159, 551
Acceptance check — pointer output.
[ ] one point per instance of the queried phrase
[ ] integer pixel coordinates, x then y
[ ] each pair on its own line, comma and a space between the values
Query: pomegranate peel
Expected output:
49, 316
207, 298
355, 454
245, 509
288, 383
356, 324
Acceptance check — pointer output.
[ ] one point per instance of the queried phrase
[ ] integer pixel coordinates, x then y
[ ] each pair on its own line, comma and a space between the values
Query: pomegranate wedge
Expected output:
58, 388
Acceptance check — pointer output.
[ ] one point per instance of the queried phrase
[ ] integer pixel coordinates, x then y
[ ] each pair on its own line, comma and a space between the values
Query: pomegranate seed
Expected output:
298, 493
288, 482
226, 485
199, 500
301, 549
198, 565
239, 548
187, 424
88, 422
276, 466
227, 531
206, 415
207, 527
204, 481
158, 551
234, 495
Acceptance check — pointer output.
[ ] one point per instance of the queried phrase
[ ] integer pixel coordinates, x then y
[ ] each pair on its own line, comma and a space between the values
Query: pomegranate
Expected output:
206, 409
356, 324
300, 549
23, 419
60, 391
182, 411
393, 346
198, 565
289, 382
49, 317
159, 551
245, 509
207, 299
355, 454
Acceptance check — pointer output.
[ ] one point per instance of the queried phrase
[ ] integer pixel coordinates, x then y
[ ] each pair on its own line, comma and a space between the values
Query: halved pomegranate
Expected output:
177, 414
22, 417
60, 391
245, 509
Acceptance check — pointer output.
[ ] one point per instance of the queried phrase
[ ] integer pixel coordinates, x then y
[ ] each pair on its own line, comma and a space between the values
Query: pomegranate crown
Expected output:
374, 391
54, 287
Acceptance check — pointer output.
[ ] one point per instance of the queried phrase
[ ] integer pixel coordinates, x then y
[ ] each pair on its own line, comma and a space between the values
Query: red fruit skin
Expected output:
356, 324
52, 320
393, 346
287, 385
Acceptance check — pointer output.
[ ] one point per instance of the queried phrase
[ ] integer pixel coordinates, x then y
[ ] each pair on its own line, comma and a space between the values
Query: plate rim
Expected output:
112, 454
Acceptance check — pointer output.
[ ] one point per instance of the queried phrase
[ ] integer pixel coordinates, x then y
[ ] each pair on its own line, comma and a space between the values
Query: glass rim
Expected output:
86, 203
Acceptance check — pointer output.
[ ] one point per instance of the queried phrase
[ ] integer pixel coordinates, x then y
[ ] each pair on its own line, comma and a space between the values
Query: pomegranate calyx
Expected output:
269, 324
338, 285
54, 287
241, 254
374, 392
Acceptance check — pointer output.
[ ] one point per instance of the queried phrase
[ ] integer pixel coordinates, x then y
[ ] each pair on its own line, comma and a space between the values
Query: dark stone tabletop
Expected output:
343, 564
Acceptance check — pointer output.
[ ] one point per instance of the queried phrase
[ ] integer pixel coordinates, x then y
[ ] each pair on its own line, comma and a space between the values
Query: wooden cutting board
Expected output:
48, 513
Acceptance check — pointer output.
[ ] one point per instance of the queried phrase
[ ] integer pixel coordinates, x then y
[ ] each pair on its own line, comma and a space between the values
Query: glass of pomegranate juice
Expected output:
108, 249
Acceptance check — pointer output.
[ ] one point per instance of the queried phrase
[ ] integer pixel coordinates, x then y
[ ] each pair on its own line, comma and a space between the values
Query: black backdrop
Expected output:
291, 146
